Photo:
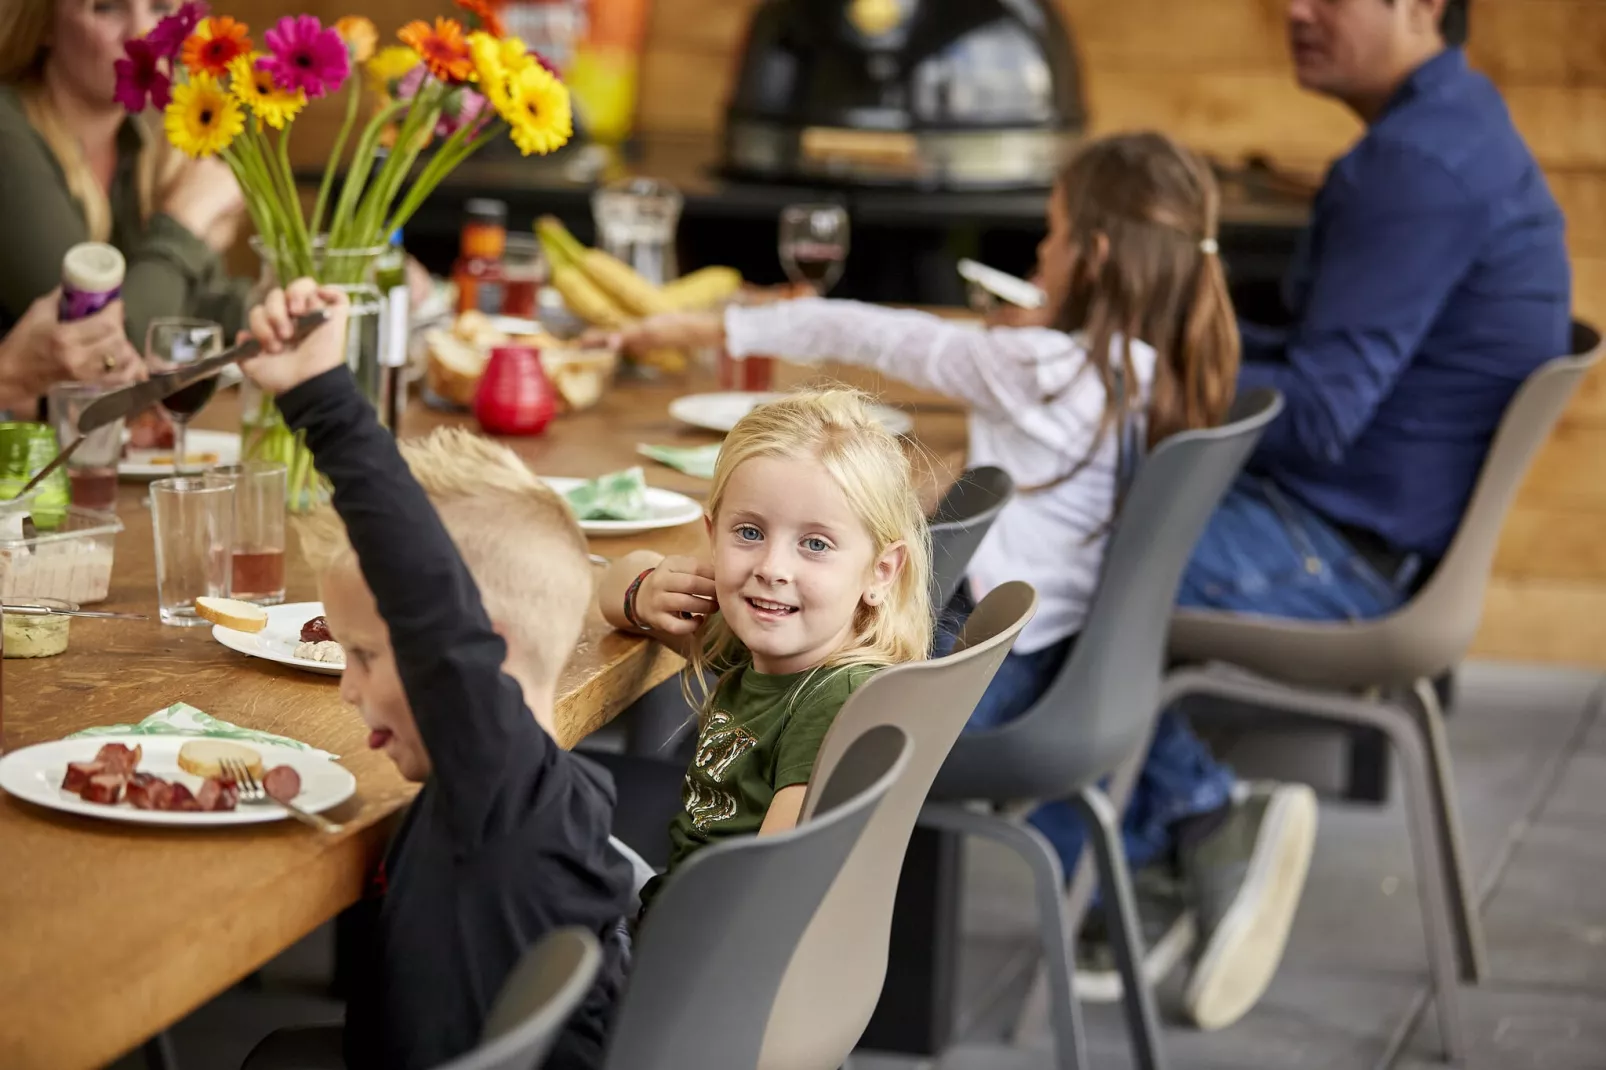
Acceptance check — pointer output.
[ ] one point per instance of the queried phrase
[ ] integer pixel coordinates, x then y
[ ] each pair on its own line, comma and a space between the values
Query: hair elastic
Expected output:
1208, 246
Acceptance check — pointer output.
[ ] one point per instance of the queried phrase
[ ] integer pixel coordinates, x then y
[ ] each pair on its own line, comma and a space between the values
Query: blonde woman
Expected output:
816, 578
78, 168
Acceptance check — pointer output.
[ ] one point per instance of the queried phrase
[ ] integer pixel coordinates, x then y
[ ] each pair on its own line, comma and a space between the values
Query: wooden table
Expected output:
110, 933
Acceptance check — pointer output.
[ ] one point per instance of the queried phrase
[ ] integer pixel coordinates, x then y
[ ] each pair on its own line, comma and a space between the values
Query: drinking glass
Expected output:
92, 468
171, 343
257, 558
636, 220
193, 521
814, 244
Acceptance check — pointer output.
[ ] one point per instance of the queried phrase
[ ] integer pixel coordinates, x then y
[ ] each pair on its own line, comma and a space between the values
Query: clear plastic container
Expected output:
28, 636
72, 561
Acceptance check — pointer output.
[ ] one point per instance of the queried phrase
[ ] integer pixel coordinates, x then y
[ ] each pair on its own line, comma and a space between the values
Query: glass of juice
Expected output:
92, 468
258, 552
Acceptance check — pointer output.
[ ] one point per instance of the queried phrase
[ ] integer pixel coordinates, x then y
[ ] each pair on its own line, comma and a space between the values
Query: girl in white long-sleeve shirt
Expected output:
1135, 291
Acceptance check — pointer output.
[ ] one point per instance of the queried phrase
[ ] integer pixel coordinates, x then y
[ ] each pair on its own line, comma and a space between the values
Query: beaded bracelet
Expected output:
630, 601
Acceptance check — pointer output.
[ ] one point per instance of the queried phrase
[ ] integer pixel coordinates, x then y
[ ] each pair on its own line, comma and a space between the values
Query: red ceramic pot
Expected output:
514, 396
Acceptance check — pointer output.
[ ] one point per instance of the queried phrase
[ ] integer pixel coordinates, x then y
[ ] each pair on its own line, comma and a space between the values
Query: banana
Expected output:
622, 283
704, 288
584, 298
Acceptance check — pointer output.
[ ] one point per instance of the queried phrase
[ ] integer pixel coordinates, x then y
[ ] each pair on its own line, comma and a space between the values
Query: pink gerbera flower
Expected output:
304, 55
169, 35
462, 108
140, 77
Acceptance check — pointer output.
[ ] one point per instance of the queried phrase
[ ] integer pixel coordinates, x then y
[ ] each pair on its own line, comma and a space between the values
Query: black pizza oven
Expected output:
928, 94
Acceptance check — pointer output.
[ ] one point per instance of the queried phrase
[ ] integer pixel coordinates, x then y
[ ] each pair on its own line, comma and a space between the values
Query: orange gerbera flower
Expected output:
443, 48
214, 45
489, 17
359, 35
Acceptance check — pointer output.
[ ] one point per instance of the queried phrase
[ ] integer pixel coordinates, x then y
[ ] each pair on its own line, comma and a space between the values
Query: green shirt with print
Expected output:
762, 734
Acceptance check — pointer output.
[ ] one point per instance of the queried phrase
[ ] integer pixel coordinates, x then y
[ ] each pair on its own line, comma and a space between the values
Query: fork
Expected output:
251, 791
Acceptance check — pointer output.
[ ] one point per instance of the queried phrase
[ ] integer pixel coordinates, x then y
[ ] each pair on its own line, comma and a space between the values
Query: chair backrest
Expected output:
1103, 700
536, 1000
959, 523
1434, 630
710, 956
836, 974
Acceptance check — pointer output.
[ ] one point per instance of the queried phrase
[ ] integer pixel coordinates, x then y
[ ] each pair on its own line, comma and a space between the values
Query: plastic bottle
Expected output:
478, 271
390, 274
91, 279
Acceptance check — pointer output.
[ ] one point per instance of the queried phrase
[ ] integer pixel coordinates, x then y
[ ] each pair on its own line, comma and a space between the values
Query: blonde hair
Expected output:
22, 66
518, 538
838, 429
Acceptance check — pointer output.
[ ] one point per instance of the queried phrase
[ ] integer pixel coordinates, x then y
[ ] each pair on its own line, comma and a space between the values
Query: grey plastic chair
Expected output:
959, 523
834, 980
710, 956
1379, 673
535, 1001
1100, 709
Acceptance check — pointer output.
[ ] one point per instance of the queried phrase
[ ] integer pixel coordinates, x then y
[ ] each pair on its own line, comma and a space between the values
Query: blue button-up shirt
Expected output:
1432, 281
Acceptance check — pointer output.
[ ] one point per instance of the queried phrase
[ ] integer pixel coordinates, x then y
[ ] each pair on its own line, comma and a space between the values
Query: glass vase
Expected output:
263, 434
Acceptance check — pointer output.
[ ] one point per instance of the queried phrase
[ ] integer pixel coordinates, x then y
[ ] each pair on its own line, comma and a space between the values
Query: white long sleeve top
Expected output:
1035, 410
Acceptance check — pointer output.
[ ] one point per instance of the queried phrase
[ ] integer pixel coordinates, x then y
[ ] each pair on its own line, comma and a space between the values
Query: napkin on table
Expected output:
693, 460
182, 719
615, 496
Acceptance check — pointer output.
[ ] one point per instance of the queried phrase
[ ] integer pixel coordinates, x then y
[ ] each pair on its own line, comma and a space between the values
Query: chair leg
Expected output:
1121, 912
1048, 880
1447, 820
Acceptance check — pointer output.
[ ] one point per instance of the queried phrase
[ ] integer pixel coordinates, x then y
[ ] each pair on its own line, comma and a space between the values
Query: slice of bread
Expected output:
204, 757
232, 613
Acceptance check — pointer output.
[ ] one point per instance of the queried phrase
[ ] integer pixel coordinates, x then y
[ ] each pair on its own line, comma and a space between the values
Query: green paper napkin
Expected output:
182, 719
615, 496
693, 460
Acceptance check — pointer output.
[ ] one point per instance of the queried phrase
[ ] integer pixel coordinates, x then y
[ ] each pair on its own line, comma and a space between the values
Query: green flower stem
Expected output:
437, 169
293, 200
423, 115
362, 162
353, 101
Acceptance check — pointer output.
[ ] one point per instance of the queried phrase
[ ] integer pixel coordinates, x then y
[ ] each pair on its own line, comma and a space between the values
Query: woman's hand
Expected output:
205, 198
273, 324
672, 330
41, 350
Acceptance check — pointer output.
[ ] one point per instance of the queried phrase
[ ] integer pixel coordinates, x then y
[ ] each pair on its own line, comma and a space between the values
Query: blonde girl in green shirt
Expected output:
816, 576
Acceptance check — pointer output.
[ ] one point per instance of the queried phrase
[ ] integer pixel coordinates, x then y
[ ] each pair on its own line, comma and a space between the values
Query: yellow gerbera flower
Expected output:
202, 119
256, 89
538, 110
389, 65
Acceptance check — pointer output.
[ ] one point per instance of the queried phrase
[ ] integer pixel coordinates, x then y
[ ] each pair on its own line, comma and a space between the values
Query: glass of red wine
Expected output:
172, 343
814, 244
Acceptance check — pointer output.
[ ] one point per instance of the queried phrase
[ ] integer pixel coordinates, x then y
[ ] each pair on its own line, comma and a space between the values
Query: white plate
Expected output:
34, 775
669, 510
158, 464
277, 642
720, 412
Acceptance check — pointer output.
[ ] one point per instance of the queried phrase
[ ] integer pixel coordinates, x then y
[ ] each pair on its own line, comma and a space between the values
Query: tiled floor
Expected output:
1530, 752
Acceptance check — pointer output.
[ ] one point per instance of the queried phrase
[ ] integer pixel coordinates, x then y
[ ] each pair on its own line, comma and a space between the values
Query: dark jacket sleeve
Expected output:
484, 744
1394, 233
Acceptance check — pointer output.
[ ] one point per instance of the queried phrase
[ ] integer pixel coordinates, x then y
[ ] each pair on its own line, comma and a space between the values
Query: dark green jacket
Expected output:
171, 272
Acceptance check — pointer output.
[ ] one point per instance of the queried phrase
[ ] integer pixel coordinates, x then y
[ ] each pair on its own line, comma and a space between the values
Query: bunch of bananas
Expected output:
607, 292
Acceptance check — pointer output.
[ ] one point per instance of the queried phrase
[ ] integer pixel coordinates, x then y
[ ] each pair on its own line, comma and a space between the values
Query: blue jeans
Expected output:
1261, 552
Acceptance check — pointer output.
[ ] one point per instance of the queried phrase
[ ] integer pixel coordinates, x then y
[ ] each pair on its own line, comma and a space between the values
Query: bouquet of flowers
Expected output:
446, 88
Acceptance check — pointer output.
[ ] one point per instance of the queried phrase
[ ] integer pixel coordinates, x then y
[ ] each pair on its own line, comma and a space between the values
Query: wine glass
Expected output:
814, 244
171, 343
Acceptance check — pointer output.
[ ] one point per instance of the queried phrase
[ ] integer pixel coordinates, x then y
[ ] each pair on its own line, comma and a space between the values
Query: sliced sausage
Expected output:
105, 788
78, 774
282, 783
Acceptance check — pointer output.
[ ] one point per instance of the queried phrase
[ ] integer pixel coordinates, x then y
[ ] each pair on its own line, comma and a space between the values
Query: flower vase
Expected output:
263, 433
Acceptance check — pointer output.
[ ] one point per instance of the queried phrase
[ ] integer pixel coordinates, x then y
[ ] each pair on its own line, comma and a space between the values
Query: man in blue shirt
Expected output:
1432, 281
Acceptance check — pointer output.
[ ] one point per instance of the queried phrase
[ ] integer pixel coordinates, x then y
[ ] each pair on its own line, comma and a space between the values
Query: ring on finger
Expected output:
110, 360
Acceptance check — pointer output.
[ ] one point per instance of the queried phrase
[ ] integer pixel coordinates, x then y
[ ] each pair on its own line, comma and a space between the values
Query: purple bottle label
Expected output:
78, 304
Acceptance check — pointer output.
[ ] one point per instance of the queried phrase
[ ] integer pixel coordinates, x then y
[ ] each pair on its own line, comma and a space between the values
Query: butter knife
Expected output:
47, 611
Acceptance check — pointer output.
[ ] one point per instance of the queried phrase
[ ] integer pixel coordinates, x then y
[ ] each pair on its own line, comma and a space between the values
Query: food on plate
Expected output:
232, 613
282, 783
457, 360
114, 777
206, 459
455, 366
151, 430
318, 645
205, 757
